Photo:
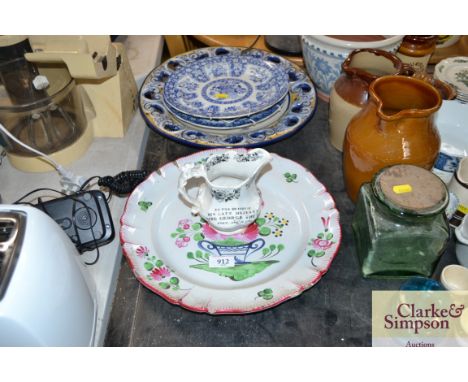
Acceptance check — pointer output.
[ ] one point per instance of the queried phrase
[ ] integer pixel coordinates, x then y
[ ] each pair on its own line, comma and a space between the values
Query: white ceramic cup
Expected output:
459, 183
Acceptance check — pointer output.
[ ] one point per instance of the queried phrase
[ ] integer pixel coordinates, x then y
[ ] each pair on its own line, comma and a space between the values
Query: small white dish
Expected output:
455, 277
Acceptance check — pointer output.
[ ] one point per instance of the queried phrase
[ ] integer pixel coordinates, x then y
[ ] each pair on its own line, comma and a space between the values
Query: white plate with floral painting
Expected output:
454, 71
286, 251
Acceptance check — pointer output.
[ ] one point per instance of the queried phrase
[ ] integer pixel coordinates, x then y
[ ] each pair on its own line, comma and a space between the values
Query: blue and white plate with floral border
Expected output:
301, 107
270, 114
226, 86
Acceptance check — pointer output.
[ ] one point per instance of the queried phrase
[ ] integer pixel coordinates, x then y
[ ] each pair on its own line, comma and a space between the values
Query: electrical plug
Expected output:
70, 182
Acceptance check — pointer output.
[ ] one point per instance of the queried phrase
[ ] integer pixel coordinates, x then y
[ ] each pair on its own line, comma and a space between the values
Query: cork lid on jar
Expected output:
410, 189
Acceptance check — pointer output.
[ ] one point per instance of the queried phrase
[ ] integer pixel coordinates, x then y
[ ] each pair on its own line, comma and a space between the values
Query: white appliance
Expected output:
46, 296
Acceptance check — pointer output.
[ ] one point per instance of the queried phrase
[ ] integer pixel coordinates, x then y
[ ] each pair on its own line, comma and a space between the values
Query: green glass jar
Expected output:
399, 225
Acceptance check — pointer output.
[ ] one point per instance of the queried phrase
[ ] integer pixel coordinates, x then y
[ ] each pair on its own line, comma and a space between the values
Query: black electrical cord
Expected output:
37, 190
120, 184
88, 181
124, 182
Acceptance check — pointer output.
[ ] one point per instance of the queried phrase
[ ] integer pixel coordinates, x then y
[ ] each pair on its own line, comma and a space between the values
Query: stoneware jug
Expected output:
351, 91
228, 197
416, 50
396, 126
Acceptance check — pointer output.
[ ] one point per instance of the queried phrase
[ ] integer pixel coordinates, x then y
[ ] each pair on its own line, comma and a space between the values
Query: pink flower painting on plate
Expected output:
160, 273
250, 234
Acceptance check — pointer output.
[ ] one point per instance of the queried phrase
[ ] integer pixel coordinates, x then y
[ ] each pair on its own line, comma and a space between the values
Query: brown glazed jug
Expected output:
395, 127
351, 90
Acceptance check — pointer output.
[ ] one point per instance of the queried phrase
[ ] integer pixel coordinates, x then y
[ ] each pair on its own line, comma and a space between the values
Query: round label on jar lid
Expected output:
411, 189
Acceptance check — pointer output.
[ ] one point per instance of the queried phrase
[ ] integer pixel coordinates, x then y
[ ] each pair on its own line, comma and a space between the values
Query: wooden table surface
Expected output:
334, 312
458, 49
242, 41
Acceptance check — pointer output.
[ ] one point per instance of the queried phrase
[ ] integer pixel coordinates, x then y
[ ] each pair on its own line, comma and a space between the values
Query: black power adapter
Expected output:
84, 216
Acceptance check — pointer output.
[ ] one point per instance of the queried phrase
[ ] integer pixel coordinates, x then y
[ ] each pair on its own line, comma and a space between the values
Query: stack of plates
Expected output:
454, 71
227, 97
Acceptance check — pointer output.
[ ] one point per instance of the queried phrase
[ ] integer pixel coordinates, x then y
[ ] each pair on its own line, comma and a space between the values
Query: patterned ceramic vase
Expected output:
396, 126
351, 91
323, 55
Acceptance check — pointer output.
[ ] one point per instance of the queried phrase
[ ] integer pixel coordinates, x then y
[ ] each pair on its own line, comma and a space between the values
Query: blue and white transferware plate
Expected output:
301, 107
226, 86
271, 114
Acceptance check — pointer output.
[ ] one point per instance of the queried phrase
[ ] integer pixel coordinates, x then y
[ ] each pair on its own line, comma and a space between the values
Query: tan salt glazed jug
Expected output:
396, 126
351, 91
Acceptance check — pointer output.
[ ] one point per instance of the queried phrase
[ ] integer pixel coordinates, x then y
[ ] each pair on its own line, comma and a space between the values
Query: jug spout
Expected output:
259, 158
395, 127
400, 97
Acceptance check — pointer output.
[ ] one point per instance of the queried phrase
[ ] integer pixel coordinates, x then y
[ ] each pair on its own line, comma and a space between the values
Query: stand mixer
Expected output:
59, 92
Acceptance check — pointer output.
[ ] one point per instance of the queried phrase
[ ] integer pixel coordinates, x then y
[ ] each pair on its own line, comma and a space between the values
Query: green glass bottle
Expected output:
399, 225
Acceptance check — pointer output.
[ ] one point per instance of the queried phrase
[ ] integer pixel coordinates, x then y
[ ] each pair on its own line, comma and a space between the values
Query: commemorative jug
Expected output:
228, 197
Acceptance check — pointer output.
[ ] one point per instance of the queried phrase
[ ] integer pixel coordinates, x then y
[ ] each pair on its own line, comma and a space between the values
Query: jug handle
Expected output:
190, 171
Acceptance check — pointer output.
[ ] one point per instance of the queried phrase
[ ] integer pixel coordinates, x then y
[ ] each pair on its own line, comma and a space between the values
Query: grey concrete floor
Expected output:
334, 312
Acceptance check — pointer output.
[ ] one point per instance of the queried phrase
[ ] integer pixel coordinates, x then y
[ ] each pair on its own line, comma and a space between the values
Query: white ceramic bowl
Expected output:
323, 56
454, 277
451, 122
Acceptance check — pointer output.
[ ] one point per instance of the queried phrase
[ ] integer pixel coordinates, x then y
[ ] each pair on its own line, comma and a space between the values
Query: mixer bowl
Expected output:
48, 120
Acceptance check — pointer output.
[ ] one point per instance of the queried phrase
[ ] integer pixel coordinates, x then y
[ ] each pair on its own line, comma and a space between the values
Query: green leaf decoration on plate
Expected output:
144, 205
148, 266
164, 285
196, 226
266, 294
230, 241
290, 178
260, 221
198, 236
313, 253
264, 231
174, 280
239, 272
